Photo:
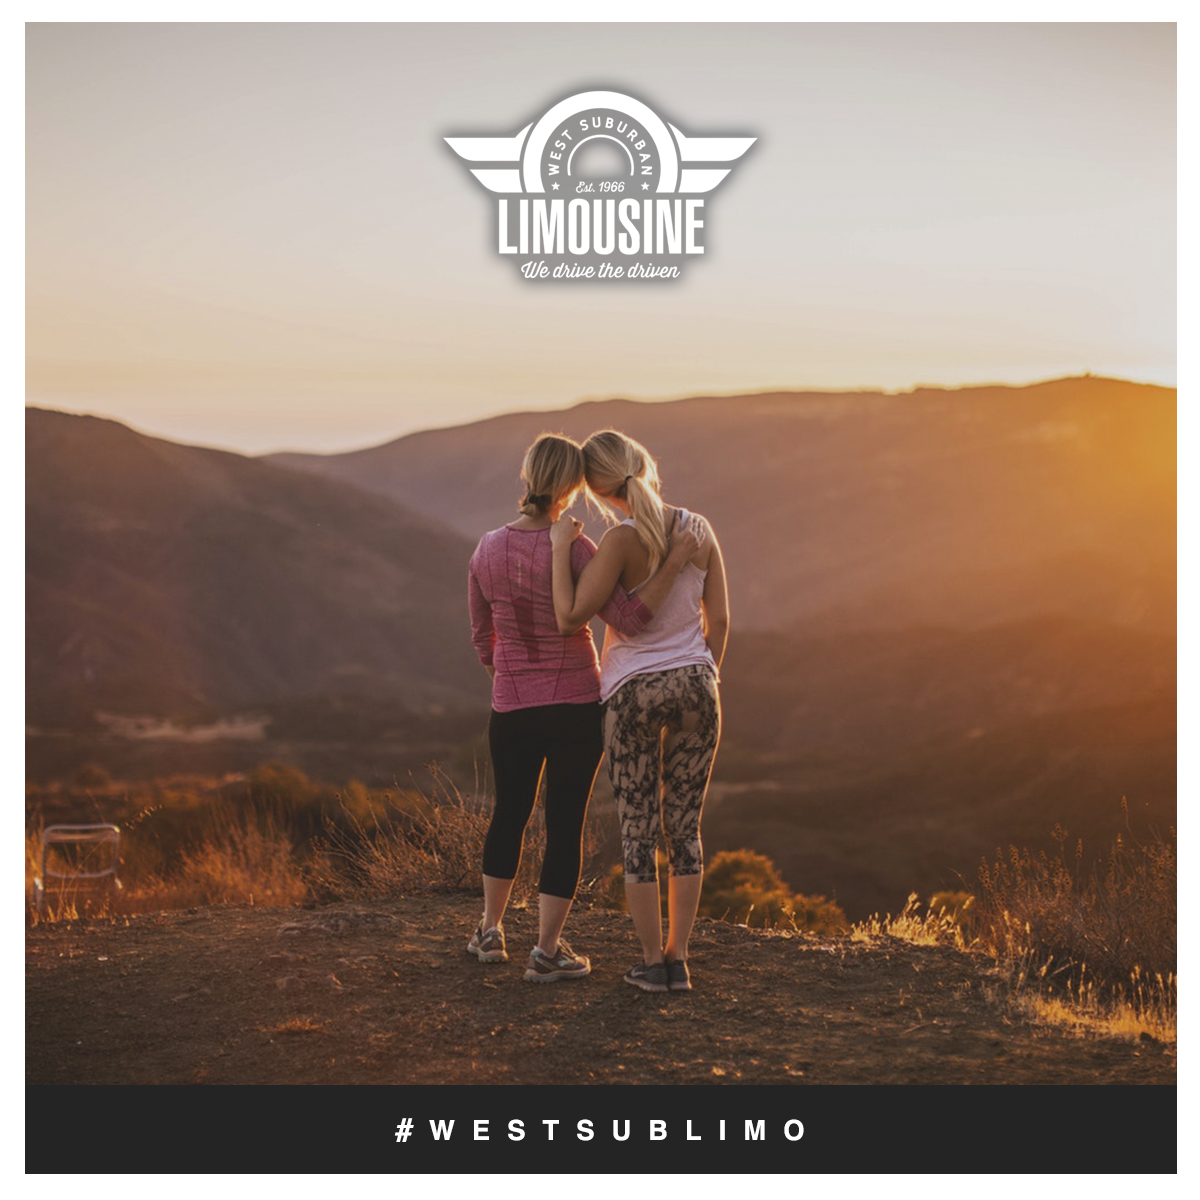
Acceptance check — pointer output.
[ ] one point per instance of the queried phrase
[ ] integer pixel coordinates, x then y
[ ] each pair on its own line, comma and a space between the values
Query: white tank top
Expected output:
674, 638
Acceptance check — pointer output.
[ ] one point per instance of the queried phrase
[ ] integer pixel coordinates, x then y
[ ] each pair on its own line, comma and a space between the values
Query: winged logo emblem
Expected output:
633, 216
520, 164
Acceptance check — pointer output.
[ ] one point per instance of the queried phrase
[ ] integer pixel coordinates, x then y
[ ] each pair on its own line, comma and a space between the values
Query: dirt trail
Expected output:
384, 994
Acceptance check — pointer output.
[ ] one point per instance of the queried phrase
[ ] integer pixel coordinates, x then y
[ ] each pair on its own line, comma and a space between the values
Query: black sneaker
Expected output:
678, 979
564, 963
648, 978
488, 944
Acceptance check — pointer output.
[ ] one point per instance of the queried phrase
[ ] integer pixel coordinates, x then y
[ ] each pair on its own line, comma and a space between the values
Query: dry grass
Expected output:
238, 856
279, 840
936, 926
406, 841
1146, 1008
1092, 950
293, 1025
428, 840
1095, 946
1106, 923
245, 858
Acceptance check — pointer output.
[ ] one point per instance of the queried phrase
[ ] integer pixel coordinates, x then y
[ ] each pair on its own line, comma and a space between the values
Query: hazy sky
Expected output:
253, 236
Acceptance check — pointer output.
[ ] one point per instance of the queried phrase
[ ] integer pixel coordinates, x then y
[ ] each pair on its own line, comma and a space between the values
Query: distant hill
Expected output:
964, 507
808, 690
953, 612
168, 579
870, 823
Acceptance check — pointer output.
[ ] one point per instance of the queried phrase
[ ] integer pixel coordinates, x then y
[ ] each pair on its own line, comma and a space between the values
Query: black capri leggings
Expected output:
567, 740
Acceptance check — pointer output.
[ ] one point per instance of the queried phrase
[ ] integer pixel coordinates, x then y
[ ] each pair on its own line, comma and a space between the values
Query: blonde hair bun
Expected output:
551, 473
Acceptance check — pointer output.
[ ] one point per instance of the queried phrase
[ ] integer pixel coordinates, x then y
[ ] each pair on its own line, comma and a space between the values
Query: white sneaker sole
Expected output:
490, 957
486, 956
646, 985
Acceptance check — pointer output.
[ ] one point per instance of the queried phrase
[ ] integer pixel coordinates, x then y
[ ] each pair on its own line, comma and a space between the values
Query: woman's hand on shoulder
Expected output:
565, 530
686, 540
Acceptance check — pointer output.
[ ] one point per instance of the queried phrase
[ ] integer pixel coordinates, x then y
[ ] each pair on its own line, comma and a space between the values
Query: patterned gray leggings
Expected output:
661, 732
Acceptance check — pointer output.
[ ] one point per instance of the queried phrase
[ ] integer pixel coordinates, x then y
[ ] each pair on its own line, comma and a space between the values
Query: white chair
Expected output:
78, 863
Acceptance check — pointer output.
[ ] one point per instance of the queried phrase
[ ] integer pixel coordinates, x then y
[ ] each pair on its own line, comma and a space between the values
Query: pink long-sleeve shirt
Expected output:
514, 629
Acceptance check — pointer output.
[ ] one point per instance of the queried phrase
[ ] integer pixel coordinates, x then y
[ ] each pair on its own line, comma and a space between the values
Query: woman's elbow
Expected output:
569, 625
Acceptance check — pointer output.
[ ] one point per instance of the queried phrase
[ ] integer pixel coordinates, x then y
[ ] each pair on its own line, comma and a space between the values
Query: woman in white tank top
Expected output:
660, 687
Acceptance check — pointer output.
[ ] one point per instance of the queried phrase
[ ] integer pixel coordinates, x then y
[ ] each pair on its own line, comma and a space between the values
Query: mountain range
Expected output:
953, 610
172, 580
863, 510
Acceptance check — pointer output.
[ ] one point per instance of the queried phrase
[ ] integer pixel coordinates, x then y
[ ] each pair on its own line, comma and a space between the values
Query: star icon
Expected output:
645, 187
554, 187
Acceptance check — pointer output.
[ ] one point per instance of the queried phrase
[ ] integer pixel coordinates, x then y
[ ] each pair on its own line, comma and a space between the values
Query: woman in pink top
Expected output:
659, 685
545, 701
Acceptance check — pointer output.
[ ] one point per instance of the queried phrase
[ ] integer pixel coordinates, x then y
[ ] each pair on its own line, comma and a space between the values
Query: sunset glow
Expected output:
254, 236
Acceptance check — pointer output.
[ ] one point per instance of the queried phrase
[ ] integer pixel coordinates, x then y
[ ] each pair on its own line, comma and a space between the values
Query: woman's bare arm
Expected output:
575, 603
715, 603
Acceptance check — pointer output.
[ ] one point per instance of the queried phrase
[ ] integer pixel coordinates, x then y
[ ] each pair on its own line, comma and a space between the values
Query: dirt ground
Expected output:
385, 993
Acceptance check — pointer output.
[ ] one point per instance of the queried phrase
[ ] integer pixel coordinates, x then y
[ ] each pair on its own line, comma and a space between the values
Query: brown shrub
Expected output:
1113, 926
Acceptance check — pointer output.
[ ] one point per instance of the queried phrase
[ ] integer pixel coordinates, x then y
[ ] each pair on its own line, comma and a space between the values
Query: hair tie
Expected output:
628, 478
542, 501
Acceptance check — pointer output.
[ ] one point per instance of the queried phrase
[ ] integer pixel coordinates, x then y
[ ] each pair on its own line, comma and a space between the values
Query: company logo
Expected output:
601, 187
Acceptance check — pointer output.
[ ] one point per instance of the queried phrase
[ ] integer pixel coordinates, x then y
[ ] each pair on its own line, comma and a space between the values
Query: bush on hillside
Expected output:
746, 888
1114, 924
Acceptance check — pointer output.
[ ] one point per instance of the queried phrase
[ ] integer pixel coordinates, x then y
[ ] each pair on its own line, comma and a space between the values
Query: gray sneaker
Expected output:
488, 944
649, 979
564, 963
678, 979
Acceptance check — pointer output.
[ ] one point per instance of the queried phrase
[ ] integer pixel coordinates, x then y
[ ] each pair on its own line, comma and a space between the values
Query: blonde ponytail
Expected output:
616, 465
552, 471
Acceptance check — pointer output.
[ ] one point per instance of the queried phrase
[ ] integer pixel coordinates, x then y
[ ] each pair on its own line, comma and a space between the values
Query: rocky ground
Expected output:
384, 993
